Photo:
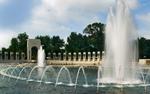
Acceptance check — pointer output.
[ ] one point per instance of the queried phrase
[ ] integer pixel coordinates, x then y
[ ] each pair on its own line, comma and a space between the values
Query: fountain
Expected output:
119, 69
41, 57
121, 47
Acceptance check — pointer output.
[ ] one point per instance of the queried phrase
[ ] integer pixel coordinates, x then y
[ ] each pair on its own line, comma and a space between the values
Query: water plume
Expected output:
121, 46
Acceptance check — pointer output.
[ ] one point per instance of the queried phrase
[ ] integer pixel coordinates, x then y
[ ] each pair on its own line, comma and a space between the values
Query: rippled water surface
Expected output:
13, 86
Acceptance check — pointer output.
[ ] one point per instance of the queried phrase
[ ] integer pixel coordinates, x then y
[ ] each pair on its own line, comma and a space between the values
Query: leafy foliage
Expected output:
46, 42
53, 44
144, 48
22, 42
95, 32
77, 42
92, 39
14, 45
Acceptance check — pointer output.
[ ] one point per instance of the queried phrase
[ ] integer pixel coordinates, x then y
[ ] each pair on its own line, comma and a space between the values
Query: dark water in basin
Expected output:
11, 86
21, 87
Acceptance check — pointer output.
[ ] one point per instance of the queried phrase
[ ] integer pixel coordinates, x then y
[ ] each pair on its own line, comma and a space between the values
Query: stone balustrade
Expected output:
75, 58
6, 56
80, 56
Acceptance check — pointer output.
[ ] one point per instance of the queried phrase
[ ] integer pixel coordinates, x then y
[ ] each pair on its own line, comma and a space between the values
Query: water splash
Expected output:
99, 72
6, 70
31, 72
47, 67
12, 72
81, 68
121, 46
41, 57
69, 76
19, 76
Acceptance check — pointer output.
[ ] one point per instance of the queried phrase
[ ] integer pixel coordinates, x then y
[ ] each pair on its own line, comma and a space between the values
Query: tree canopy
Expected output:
77, 42
95, 32
92, 39
14, 46
22, 42
144, 48
53, 44
19, 44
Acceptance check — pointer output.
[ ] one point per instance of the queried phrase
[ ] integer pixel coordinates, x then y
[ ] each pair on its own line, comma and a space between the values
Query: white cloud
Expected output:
5, 37
51, 15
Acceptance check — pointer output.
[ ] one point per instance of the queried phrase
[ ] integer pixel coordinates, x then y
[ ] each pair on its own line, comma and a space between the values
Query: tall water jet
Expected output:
41, 57
121, 46
41, 61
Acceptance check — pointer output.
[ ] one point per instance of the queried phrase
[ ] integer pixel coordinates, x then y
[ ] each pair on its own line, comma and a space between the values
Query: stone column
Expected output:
93, 56
74, 56
54, 56
98, 56
6, 56
103, 54
17, 55
69, 56
89, 56
11, 56
0, 55
59, 56
28, 53
22, 56
49, 56
64, 56
79, 56
84, 56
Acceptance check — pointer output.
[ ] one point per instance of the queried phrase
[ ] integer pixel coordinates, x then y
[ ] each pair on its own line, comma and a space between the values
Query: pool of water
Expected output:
16, 86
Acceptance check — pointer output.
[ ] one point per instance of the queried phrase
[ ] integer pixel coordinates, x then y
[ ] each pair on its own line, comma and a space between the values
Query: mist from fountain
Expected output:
121, 47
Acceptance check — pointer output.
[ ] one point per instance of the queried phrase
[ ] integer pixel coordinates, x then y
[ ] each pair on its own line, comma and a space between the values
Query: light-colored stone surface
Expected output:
32, 43
144, 61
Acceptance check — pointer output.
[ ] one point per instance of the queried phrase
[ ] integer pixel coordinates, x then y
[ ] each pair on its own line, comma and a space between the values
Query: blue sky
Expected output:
61, 17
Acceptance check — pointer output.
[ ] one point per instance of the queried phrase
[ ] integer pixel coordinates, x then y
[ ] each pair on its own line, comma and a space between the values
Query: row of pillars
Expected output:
80, 56
12, 56
75, 56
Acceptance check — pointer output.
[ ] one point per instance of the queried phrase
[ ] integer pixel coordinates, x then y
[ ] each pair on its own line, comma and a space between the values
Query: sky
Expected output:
61, 17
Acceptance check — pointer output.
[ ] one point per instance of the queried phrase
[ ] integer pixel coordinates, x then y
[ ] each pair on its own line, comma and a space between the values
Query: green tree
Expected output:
77, 42
14, 45
53, 44
46, 42
144, 48
147, 49
22, 42
57, 44
3, 51
95, 32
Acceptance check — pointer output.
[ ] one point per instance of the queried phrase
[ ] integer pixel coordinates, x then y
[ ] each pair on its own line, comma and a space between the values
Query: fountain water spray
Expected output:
85, 77
121, 47
41, 57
